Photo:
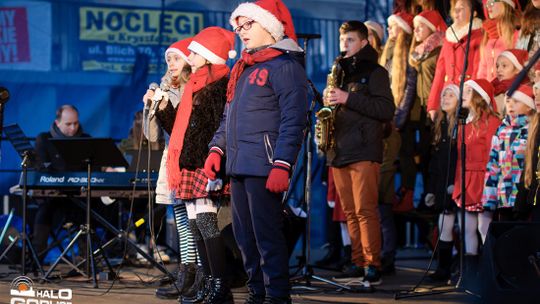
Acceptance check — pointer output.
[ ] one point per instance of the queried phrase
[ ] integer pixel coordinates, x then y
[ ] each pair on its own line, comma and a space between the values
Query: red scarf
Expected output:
491, 28
501, 86
248, 59
197, 81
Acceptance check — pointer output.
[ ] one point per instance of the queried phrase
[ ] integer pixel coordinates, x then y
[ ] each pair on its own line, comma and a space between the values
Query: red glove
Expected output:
212, 163
278, 180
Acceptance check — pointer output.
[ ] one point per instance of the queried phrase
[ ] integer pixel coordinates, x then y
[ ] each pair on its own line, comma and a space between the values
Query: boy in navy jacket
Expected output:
260, 134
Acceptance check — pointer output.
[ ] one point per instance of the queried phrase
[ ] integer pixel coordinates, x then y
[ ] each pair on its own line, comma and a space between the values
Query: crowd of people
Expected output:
425, 59
232, 137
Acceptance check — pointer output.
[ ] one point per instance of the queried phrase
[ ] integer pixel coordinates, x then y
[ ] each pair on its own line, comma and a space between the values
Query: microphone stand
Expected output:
461, 115
306, 270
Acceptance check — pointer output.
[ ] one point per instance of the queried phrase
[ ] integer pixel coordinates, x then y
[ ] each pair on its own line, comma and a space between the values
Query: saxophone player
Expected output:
362, 102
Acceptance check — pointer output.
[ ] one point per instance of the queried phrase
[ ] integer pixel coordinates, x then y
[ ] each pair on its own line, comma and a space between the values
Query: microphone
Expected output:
153, 86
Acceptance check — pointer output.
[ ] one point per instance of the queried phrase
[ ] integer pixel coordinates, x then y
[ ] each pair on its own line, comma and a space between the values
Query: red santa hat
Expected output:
377, 28
524, 94
215, 44
517, 57
272, 15
485, 89
513, 3
180, 48
432, 19
404, 20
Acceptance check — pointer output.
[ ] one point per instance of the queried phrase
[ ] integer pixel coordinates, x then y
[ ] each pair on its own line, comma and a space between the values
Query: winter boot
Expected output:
220, 293
443, 272
184, 280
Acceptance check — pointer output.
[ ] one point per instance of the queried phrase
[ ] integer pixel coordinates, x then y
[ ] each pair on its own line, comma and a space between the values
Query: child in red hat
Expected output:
481, 125
197, 118
507, 156
159, 117
260, 135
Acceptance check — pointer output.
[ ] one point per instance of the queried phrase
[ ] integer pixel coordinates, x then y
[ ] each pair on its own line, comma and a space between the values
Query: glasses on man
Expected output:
246, 26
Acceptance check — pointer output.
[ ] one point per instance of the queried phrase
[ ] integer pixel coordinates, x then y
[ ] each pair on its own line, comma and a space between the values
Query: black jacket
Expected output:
208, 104
358, 127
442, 169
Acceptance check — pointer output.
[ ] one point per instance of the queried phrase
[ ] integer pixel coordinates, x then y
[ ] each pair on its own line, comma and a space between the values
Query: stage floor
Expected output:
137, 286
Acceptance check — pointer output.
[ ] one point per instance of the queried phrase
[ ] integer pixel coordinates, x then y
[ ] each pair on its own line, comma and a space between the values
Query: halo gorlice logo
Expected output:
22, 292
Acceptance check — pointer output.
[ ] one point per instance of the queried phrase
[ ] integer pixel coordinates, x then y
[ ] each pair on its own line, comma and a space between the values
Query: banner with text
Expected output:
112, 37
25, 36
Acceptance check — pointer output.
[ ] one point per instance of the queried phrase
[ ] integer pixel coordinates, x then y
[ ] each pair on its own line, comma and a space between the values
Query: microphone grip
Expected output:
154, 108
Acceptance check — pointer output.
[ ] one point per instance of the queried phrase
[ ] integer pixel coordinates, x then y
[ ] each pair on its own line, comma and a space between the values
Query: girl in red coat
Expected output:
452, 56
482, 123
499, 34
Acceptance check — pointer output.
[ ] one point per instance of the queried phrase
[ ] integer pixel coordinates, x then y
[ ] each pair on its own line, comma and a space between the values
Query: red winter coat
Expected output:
478, 141
451, 58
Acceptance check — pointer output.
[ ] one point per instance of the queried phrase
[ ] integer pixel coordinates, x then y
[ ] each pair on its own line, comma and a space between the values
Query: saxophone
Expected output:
324, 126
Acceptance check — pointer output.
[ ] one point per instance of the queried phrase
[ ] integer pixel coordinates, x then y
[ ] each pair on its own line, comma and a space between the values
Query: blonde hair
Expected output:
531, 150
182, 79
398, 70
506, 25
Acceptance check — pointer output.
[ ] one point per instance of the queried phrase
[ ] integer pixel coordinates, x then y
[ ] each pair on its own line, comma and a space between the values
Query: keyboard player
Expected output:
51, 211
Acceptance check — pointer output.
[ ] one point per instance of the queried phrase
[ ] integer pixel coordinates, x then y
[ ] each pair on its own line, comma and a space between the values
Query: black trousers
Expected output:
258, 229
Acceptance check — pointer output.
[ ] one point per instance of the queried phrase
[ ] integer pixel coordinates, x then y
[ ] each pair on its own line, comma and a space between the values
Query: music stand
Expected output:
100, 152
25, 150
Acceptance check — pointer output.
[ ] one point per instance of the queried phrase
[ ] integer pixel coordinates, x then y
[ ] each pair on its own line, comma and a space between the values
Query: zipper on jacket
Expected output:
268, 149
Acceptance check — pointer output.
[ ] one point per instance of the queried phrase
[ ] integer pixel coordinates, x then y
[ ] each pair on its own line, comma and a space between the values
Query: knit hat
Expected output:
272, 15
485, 89
377, 28
452, 87
517, 57
524, 94
432, 19
180, 48
403, 19
215, 44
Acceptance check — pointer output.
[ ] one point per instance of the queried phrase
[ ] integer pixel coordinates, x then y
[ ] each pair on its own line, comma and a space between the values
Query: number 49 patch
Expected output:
258, 76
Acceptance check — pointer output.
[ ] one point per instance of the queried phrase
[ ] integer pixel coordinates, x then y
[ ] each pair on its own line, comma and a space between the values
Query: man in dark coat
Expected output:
363, 102
48, 159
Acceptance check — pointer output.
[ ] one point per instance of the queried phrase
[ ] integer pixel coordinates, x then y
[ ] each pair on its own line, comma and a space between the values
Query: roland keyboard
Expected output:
98, 180
113, 184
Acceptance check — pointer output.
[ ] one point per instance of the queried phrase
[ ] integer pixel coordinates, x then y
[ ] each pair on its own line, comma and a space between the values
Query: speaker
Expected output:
510, 264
